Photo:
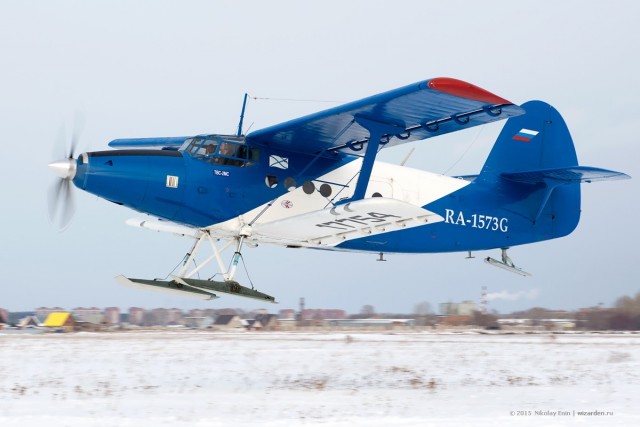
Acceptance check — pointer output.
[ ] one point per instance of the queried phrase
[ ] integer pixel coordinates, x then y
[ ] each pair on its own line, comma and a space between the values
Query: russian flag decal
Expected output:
525, 135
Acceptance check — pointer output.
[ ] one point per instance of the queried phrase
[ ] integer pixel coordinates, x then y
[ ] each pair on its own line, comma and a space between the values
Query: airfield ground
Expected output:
194, 378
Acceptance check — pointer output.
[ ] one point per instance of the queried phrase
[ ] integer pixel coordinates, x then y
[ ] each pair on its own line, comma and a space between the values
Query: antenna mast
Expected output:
244, 104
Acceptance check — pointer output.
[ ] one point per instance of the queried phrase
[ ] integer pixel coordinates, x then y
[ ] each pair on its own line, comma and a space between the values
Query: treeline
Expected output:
623, 316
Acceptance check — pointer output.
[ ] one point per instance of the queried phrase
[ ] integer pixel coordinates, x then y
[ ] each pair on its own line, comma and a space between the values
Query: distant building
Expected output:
456, 320
287, 324
268, 322
4, 316
212, 312
29, 322
136, 316
157, 316
196, 312
198, 322
112, 315
287, 313
166, 316
91, 315
252, 324
322, 314
60, 320
44, 312
174, 316
308, 316
228, 322
465, 308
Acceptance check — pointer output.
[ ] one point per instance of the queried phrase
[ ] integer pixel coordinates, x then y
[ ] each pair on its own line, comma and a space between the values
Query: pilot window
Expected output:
222, 152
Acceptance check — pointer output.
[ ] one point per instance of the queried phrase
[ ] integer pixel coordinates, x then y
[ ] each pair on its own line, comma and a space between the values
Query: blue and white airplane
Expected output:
314, 182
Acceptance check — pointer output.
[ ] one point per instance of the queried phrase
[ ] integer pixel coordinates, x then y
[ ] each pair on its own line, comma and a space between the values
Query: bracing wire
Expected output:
263, 98
246, 271
292, 99
178, 265
480, 128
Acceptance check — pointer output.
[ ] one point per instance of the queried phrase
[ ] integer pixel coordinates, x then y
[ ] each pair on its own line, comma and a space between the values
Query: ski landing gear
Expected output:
184, 284
506, 264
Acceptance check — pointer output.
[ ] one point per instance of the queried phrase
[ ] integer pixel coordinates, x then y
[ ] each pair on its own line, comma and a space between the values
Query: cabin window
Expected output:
219, 151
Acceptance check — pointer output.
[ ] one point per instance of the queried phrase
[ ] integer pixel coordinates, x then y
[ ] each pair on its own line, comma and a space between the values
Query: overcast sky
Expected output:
161, 68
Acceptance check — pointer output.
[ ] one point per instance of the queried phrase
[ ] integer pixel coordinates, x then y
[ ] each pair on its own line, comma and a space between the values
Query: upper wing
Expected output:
419, 111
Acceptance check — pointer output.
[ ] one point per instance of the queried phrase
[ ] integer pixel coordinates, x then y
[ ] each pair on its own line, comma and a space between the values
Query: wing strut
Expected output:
376, 131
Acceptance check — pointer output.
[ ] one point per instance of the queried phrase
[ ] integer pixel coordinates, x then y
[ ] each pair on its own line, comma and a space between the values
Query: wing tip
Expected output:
463, 89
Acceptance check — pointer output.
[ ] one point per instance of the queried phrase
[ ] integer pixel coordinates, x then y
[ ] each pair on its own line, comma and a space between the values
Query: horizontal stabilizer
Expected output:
568, 175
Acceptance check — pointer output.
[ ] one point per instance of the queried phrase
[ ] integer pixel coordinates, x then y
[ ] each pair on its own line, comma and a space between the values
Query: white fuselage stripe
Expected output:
408, 185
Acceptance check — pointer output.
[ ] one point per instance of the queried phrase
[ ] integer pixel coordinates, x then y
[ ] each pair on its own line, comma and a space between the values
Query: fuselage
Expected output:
221, 184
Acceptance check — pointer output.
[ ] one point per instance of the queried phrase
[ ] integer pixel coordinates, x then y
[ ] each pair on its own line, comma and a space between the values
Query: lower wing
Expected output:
332, 226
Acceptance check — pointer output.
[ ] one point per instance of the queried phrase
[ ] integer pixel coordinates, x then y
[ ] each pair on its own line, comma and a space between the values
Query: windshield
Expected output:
216, 150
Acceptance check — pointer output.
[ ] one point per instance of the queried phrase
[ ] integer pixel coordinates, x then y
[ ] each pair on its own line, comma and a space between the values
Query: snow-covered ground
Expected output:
193, 378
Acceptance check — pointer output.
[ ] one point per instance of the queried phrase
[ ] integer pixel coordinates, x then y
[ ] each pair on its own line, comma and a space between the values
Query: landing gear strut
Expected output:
184, 283
227, 274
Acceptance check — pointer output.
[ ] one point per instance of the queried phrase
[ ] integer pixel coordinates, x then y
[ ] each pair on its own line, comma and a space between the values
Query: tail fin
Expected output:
535, 163
533, 141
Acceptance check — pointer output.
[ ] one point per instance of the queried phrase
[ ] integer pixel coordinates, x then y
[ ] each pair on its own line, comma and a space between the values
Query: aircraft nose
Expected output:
65, 168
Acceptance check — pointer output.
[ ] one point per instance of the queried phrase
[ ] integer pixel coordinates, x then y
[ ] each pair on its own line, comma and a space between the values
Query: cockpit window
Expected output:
197, 147
221, 151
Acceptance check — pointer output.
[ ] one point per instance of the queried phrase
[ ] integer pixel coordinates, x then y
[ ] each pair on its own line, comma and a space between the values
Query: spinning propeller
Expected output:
60, 198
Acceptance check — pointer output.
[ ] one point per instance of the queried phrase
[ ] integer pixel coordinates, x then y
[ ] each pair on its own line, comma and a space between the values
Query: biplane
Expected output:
314, 182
